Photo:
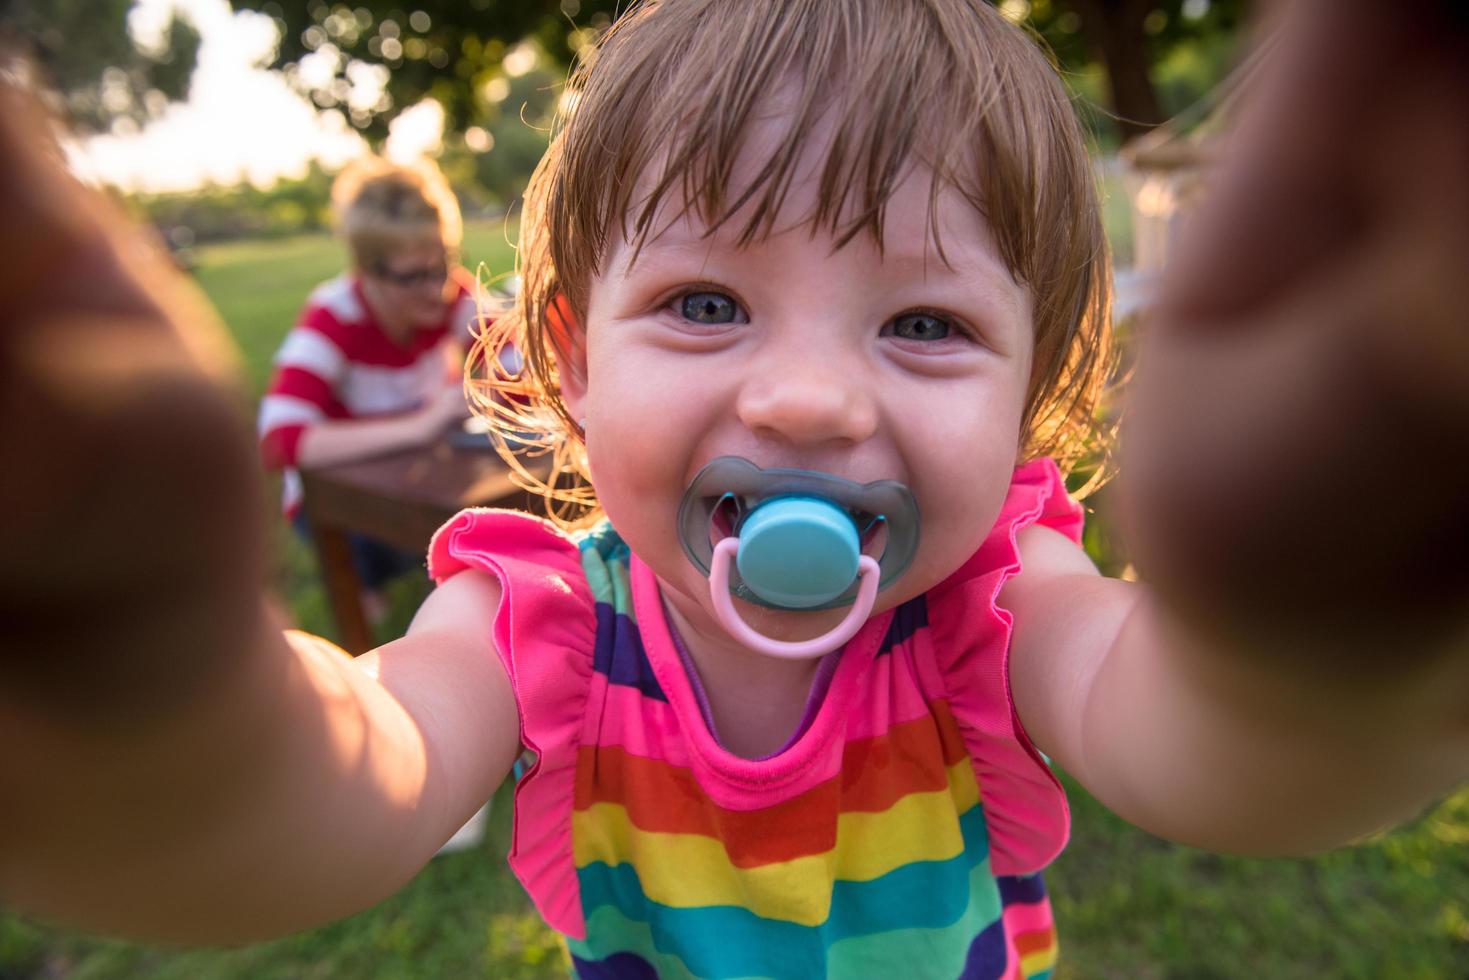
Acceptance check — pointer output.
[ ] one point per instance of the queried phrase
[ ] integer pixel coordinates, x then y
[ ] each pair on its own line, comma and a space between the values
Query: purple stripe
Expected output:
620, 655
907, 619
1021, 889
618, 966
987, 957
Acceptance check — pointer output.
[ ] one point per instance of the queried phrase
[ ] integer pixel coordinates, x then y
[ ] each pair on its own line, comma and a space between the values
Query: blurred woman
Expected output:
373, 363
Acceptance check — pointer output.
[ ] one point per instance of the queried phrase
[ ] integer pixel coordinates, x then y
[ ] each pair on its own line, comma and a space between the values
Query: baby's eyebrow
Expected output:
957, 263
966, 264
671, 242
675, 242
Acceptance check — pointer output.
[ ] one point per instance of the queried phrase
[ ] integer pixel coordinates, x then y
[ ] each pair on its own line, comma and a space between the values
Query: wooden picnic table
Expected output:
400, 499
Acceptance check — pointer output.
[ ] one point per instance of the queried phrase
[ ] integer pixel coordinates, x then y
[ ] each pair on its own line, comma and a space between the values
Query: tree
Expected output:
1128, 40
453, 51
82, 57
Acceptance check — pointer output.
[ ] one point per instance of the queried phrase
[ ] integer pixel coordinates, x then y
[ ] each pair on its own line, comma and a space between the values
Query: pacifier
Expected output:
795, 540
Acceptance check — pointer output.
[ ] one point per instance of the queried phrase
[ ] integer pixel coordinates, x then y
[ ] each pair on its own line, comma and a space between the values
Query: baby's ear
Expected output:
568, 345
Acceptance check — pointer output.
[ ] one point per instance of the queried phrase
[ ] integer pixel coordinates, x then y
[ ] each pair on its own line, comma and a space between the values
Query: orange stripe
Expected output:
912, 757
1032, 942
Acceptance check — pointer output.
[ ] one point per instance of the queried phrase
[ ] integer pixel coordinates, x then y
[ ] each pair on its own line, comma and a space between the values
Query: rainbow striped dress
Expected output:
898, 834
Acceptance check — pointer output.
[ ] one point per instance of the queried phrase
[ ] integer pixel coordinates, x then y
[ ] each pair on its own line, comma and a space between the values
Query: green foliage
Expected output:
448, 50
454, 52
1170, 26
1188, 47
288, 207
510, 145
90, 63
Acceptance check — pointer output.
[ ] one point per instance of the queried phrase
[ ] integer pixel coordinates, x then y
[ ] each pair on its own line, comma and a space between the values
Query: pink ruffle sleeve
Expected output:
545, 632
1025, 807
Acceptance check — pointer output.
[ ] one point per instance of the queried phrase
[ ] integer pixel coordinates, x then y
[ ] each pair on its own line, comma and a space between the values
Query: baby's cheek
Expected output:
957, 519
636, 479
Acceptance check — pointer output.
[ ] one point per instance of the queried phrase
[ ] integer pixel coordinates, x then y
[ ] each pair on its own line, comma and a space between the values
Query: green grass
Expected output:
1131, 905
1128, 904
258, 287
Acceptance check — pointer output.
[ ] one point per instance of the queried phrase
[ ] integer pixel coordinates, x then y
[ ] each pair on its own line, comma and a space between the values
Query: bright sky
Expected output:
240, 122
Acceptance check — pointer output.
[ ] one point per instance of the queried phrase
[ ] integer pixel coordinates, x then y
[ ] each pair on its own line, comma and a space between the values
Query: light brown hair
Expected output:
656, 114
381, 206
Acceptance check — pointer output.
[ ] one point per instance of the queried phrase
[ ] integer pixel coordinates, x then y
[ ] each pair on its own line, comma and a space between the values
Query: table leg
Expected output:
343, 589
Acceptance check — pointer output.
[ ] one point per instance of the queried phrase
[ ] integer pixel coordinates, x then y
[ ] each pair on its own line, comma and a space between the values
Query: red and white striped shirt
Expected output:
338, 363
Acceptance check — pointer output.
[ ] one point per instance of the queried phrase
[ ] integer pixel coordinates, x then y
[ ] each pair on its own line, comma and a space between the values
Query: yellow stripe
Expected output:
1041, 959
691, 870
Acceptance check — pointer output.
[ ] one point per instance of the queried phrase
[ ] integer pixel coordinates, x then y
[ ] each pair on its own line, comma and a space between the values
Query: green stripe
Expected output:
940, 951
605, 565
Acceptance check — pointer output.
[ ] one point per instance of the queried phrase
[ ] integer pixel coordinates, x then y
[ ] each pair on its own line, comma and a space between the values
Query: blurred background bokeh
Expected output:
221, 124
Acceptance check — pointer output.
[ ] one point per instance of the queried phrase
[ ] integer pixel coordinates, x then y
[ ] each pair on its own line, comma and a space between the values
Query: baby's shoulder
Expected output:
545, 628
493, 530
538, 564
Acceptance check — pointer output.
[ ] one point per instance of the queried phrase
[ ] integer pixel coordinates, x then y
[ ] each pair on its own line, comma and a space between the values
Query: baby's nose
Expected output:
806, 400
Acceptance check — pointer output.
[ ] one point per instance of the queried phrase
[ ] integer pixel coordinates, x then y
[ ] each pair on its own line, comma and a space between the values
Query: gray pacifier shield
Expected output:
733, 490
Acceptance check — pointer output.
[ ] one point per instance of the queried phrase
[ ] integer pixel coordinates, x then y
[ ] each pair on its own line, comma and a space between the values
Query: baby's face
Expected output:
863, 363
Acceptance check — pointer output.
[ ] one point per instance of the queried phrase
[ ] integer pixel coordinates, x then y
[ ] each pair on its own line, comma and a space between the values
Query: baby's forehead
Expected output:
924, 222
789, 166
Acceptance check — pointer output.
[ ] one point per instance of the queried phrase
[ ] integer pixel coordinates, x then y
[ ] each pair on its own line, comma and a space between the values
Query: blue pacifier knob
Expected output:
798, 552
831, 521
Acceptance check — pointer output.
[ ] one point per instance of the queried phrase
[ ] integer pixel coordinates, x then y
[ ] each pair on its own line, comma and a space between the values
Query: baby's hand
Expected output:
1298, 445
130, 505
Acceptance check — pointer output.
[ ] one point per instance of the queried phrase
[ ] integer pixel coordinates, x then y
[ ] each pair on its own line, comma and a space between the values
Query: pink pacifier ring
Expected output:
724, 554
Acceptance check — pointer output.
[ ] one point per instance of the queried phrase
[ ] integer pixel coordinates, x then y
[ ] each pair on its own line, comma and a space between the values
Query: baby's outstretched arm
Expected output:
1293, 474
174, 766
1206, 741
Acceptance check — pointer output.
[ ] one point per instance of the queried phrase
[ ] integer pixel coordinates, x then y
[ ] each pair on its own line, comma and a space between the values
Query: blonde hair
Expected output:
678, 84
381, 206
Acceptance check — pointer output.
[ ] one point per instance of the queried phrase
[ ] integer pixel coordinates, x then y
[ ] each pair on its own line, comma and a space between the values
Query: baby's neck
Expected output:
756, 703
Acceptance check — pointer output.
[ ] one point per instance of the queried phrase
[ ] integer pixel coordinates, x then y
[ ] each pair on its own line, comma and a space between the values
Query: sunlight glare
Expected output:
240, 122
417, 131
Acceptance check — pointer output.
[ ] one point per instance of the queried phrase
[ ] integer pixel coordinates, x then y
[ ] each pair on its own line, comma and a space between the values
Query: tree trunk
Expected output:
1115, 29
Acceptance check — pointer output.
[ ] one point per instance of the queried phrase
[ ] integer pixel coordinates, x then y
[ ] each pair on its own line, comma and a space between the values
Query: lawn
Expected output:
1128, 904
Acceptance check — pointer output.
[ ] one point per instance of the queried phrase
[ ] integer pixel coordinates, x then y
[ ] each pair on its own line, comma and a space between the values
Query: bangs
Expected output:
665, 109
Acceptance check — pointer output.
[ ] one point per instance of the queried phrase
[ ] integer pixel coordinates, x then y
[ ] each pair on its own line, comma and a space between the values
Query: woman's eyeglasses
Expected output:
432, 275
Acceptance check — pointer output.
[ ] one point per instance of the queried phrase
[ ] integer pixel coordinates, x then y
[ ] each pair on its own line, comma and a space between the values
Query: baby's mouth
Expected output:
723, 495
726, 510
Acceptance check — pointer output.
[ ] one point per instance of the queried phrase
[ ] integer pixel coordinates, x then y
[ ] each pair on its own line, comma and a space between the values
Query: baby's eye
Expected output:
709, 307
919, 326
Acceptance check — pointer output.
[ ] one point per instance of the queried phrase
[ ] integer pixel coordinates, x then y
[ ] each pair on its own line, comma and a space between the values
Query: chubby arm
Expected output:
172, 765
297, 788
1196, 740
1293, 471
